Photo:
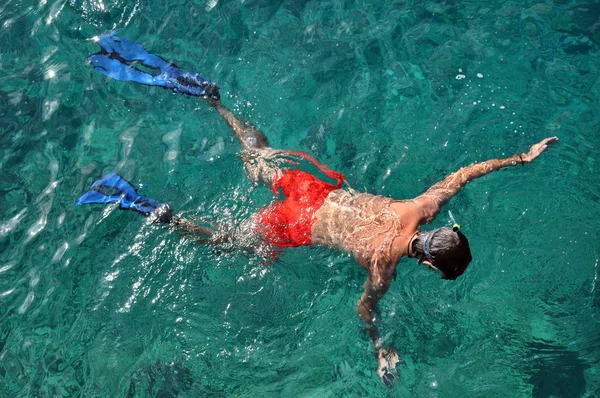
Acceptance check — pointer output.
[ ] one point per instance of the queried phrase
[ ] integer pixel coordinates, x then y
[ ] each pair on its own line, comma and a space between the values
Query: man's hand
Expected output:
386, 369
537, 149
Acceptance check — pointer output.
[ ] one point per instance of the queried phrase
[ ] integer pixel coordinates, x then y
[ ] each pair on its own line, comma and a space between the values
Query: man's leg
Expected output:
248, 136
112, 188
120, 59
261, 162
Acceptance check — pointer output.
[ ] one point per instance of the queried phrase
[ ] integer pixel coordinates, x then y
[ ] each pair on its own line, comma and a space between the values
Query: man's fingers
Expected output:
388, 380
386, 370
387, 377
549, 141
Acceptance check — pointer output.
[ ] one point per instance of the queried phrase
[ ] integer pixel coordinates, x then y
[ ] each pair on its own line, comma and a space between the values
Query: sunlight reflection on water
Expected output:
393, 95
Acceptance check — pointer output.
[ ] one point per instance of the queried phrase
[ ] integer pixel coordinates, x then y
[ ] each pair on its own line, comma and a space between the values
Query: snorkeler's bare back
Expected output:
374, 229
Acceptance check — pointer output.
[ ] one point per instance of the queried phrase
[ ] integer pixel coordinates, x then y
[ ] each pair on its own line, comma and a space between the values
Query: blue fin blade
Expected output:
131, 51
113, 180
113, 68
95, 197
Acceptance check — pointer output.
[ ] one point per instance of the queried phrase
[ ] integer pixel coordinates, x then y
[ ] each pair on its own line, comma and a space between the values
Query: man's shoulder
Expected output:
408, 210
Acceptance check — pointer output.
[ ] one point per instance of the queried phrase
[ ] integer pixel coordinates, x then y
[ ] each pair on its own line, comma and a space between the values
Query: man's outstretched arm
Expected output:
439, 194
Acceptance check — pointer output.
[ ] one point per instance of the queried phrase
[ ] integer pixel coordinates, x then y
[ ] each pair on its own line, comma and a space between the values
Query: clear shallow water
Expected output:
94, 302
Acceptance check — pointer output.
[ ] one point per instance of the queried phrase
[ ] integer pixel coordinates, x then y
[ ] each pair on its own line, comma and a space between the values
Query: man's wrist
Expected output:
377, 344
516, 159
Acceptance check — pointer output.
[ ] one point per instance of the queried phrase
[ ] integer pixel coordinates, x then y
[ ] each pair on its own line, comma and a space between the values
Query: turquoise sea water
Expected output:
395, 94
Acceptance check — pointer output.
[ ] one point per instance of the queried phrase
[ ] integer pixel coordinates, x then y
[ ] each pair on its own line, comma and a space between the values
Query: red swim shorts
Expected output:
288, 222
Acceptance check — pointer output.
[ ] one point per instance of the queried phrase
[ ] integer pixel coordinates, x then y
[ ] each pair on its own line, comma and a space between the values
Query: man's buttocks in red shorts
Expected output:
288, 222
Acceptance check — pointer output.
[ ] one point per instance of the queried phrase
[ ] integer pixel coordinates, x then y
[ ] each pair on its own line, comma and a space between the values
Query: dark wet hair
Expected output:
449, 251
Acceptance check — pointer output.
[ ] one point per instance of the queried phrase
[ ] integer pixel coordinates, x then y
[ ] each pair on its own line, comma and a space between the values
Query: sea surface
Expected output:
97, 302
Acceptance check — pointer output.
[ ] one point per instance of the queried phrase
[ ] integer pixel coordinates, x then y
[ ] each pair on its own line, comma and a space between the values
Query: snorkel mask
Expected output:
427, 243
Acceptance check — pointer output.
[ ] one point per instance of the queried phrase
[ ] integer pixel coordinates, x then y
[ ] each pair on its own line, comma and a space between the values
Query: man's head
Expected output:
445, 249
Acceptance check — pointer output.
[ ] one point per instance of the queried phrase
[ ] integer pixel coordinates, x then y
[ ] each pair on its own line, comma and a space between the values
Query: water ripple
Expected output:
369, 88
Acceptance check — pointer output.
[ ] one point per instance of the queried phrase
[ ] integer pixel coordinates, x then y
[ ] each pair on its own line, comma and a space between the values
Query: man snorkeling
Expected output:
377, 231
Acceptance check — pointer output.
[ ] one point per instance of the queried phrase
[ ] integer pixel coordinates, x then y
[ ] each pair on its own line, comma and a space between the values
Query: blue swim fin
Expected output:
119, 57
112, 188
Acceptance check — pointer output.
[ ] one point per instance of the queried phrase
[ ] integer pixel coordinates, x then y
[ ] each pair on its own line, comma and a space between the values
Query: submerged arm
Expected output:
387, 358
439, 194
367, 303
